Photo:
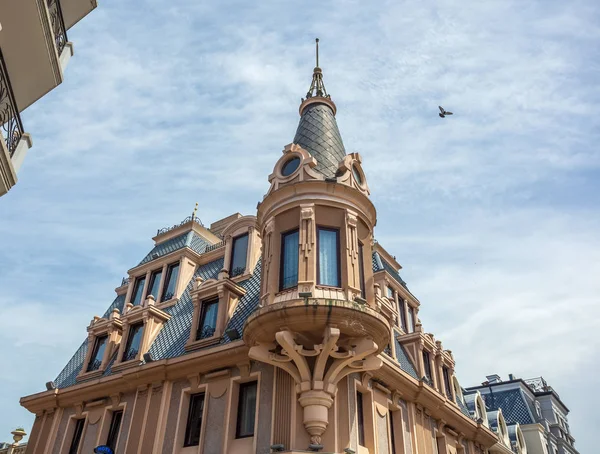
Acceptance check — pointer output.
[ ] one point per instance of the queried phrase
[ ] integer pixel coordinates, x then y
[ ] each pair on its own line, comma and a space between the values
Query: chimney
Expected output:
511, 377
493, 378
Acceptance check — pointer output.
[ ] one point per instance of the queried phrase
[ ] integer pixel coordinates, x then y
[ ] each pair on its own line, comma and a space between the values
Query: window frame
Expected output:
113, 443
201, 319
241, 406
187, 433
77, 435
151, 282
95, 353
136, 284
338, 256
282, 259
402, 310
427, 366
233, 243
360, 418
130, 340
167, 279
446, 378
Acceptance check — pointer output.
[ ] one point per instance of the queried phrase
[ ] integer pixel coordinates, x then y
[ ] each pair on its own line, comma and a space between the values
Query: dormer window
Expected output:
289, 260
98, 353
154, 286
239, 252
170, 282
138, 289
402, 310
447, 387
208, 319
411, 319
328, 259
427, 366
133, 342
480, 413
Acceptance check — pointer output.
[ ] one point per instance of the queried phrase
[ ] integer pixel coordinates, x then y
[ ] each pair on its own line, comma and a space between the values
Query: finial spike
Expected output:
195, 210
317, 44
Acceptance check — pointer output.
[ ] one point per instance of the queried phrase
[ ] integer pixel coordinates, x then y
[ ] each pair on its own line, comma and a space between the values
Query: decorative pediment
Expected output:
350, 173
294, 166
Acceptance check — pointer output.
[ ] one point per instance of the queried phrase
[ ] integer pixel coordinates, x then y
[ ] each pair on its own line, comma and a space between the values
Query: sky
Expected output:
493, 212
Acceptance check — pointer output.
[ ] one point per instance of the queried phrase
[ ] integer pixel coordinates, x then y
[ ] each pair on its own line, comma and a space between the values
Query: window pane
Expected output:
427, 365
208, 319
361, 270
328, 257
97, 353
137, 291
361, 418
170, 282
194, 421
133, 342
289, 260
402, 309
238, 255
390, 292
154, 284
246, 410
77, 433
392, 436
411, 320
113, 432
446, 373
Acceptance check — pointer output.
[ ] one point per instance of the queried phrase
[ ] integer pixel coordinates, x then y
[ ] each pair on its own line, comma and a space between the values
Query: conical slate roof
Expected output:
318, 134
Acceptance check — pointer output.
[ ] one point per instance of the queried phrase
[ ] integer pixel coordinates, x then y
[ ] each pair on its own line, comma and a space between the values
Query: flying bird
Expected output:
443, 112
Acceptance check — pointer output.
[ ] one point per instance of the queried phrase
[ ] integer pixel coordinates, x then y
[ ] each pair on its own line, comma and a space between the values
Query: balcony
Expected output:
35, 47
14, 142
75, 10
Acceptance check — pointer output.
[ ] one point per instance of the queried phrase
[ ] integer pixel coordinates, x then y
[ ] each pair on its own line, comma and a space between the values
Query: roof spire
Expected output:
317, 87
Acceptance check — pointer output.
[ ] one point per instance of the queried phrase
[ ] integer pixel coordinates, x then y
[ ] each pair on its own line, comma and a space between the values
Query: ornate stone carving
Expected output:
317, 384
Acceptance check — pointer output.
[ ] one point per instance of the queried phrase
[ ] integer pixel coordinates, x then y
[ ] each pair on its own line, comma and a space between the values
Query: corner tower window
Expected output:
328, 260
402, 310
361, 418
136, 299
446, 373
208, 319
133, 341
97, 353
290, 166
239, 251
289, 260
170, 282
427, 366
361, 270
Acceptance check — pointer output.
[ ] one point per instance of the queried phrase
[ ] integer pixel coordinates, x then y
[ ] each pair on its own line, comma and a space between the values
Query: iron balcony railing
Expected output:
58, 24
10, 120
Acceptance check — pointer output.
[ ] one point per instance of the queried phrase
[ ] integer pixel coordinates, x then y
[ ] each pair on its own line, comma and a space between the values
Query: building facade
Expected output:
289, 330
34, 53
533, 408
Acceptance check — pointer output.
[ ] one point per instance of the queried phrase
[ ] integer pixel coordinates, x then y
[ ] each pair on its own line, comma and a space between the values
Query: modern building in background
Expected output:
534, 410
34, 52
289, 330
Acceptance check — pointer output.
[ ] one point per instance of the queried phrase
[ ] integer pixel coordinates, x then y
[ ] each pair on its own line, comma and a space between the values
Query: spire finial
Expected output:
195, 210
317, 87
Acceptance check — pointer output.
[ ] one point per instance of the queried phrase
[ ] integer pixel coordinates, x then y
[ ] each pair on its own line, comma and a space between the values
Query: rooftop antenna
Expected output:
317, 43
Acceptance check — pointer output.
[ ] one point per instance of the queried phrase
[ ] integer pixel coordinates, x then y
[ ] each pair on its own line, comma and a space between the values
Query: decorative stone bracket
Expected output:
316, 381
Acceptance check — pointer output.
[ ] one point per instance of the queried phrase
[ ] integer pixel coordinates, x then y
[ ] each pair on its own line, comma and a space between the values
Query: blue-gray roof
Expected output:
379, 264
513, 405
189, 239
402, 357
318, 134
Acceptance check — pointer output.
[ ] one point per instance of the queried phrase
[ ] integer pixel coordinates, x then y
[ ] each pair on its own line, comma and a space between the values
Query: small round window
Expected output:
290, 166
357, 175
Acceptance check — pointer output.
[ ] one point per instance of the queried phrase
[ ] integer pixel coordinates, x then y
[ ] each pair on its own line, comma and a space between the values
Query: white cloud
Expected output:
493, 212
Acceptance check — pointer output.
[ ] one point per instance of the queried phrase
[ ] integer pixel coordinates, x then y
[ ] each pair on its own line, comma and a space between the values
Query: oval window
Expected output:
290, 166
357, 175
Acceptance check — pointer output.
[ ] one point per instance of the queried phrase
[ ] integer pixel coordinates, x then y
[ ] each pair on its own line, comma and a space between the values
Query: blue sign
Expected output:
103, 450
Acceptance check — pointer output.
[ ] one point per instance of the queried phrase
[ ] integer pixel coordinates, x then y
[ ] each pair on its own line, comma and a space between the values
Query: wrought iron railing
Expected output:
237, 271
124, 281
212, 247
10, 121
131, 354
185, 221
58, 24
206, 332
